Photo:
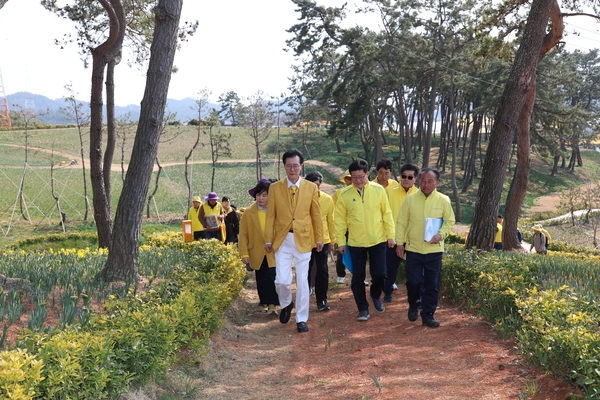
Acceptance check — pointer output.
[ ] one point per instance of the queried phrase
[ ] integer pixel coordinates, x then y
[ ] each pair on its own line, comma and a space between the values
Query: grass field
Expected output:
53, 146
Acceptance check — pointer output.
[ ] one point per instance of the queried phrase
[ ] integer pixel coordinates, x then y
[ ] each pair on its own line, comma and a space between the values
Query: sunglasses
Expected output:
410, 178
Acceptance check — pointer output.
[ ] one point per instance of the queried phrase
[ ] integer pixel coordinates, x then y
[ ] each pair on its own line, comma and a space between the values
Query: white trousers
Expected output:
284, 257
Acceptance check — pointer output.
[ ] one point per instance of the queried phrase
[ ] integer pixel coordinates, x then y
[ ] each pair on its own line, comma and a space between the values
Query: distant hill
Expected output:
185, 109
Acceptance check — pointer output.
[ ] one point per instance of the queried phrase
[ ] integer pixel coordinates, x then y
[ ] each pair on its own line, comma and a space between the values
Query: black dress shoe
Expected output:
286, 313
430, 322
302, 327
413, 314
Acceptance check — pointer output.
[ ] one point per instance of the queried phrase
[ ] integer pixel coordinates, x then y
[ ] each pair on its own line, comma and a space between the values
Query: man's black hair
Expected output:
384, 163
292, 153
314, 176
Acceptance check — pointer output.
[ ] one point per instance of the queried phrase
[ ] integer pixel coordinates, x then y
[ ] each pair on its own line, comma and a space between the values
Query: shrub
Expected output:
20, 375
139, 333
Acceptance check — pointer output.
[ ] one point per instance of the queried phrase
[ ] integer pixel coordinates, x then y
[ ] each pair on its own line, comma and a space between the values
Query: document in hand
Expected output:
212, 221
432, 226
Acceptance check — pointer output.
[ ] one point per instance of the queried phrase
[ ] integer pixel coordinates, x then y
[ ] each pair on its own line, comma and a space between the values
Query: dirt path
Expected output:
116, 167
254, 356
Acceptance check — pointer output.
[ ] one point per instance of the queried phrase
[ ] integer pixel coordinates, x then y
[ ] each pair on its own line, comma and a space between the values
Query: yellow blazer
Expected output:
305, 220
251, 242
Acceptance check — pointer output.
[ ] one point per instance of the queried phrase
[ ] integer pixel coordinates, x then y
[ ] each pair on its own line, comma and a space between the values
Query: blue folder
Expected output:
347, 260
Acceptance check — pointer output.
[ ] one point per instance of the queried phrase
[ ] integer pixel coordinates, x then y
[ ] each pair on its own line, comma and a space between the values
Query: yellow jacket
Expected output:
326, 203
410, 225
396, 196
251, 242
498, 238
392, 183
193, 216
304, 220
367, 218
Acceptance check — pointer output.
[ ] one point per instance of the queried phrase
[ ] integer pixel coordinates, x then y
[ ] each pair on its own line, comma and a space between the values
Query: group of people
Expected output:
292, 223
541, 237
212, 219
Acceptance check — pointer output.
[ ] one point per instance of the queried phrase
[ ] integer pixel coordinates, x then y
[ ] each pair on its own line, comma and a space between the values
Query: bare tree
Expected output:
149, 202
26, 115
571, 201
74, 112
258, 117
218, 142
62, 215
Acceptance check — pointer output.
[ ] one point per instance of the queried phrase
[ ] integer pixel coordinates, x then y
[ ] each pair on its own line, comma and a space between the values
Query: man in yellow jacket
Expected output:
384, 175
319, 258
293, 227
425, 220
363, 210
396, 195
340, 269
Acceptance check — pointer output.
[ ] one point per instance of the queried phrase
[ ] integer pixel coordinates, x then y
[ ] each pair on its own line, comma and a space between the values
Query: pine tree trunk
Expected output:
123, 256
520, 81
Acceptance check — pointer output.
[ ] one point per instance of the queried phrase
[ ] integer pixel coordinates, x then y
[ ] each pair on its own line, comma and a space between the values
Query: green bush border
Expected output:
555, 328
137, 338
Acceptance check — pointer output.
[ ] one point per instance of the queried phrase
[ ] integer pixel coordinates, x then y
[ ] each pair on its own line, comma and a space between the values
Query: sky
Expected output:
239, 46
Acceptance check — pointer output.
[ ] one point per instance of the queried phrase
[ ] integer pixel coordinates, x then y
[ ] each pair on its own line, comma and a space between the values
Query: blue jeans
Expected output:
377, 268
423, 279
213, 234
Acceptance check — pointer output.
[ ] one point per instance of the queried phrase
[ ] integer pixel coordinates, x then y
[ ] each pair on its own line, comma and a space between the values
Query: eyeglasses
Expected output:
409, 177
295, 166
359, 178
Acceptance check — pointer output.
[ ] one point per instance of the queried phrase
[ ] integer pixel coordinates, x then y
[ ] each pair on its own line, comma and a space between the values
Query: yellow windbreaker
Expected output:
326, 203
396, 196
410, 225
367, 218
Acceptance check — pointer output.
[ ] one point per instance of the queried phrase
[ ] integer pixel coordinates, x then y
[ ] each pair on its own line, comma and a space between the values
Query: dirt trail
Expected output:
254, 356
116, 167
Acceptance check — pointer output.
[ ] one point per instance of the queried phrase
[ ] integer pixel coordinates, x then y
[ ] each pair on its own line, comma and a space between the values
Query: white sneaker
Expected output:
312, 291
395, 287
340, 279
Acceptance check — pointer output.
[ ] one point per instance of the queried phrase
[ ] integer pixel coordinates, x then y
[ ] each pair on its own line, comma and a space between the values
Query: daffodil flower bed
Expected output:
136, 333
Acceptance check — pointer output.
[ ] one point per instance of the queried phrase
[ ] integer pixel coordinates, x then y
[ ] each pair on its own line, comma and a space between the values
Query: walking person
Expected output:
319, 258
425, 220
384, 173
498, 237
197, 227
252, 247
293, 226
540, 240
211, 217
340, 269
363, 210
396, 196
231, 221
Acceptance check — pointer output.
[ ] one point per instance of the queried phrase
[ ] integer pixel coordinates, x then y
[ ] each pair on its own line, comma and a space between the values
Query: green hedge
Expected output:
137, 337
531, 298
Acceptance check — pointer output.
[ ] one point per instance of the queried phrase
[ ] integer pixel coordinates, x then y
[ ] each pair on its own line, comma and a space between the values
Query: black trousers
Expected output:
265, 284
423, 280
318, 260
377, 268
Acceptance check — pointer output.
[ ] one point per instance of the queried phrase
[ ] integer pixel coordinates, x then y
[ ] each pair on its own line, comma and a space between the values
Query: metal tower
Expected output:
4, 110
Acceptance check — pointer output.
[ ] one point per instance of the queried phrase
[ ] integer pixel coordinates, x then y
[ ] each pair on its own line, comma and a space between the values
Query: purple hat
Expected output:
211, 196
251, 191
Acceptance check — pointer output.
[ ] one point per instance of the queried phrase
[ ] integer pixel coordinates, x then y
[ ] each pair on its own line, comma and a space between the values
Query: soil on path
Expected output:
254, 356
